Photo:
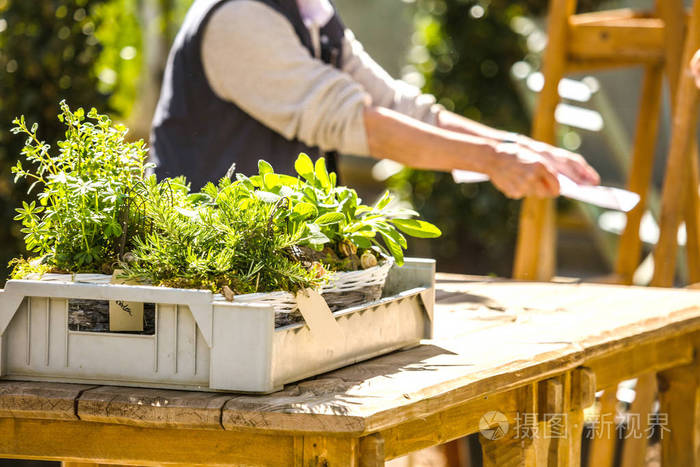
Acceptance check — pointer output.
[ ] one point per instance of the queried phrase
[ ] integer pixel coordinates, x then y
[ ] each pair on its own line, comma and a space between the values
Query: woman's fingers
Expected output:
573, 166
549, 181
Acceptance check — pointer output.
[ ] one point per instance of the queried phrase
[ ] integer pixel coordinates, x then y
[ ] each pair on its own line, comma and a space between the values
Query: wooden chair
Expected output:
613, 39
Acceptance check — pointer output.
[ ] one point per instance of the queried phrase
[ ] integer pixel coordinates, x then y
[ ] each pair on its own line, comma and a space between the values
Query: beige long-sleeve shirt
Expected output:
253, 58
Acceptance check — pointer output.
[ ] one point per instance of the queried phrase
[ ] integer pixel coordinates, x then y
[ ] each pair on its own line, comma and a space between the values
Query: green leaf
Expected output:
401, 213
322, 173
310, 194
361, 209
315, 236
264, 167
360, 242
271, 180
330, 218
394, 248
304, 166
245, 181
288, 180
416, 228
305, 210
383, 201
257, 181
391, 232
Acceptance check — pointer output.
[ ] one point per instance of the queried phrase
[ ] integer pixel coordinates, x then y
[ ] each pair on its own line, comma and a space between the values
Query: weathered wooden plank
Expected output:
446, 425
152, 407
634, 40
633, 361
19, 399
84, 464
80, 441
606, 16
556, 334
385, 391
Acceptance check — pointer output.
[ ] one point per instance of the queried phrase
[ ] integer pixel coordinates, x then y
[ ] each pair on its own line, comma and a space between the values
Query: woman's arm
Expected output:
569, 163
398, 96
515, 171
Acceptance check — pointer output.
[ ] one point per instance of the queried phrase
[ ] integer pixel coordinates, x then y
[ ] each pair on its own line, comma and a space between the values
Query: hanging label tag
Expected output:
319, 317
124, 315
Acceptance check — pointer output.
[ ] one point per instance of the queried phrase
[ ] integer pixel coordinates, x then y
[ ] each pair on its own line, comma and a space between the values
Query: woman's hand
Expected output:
565, 162
517, 172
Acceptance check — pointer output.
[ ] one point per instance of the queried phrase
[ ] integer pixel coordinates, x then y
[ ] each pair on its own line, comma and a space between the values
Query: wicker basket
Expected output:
356, 287
346, 289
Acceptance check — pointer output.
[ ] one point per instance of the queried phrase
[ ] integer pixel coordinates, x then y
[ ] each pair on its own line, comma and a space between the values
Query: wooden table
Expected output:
529, 354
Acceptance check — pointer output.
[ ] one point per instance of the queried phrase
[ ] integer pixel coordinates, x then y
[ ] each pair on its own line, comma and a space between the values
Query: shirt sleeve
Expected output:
384, 90
253, 58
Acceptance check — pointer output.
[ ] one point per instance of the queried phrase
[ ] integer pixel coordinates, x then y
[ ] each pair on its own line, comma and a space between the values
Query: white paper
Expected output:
603, 196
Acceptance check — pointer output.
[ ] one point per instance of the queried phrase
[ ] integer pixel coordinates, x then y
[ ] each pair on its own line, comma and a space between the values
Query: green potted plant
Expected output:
258, 238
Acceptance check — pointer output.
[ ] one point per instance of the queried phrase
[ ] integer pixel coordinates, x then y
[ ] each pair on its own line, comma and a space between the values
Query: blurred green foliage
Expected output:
119, 64
464, 50
47, 53
88, 52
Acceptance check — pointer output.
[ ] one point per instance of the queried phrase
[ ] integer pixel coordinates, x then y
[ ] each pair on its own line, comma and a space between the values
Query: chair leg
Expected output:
685, 117
630, 246
535, 248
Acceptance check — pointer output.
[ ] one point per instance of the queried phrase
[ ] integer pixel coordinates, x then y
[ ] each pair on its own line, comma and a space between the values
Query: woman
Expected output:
250, 79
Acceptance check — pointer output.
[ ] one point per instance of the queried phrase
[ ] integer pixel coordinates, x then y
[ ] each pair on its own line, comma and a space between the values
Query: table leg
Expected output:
311, 451
372, 451
566, 427
679, 415
511, 446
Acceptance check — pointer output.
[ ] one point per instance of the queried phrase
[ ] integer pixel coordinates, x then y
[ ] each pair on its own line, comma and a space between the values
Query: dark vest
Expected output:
199, 135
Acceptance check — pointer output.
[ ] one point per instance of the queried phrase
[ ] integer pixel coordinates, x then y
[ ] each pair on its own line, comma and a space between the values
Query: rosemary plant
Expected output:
85, 190
219, 237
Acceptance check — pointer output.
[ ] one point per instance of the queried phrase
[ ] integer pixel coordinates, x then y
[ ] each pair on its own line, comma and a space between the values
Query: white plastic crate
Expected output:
199, 342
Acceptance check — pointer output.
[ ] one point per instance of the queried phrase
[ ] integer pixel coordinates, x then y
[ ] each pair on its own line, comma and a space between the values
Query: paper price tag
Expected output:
124, 315
319, 317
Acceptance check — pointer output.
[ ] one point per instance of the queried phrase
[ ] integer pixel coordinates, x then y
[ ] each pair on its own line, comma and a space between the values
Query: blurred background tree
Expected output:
47, 53
90, 53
